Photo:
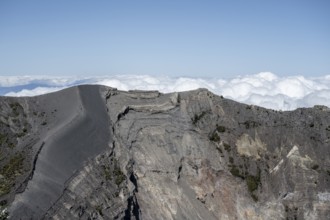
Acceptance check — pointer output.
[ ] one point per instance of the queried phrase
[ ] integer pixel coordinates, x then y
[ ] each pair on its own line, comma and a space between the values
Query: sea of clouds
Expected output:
264, 89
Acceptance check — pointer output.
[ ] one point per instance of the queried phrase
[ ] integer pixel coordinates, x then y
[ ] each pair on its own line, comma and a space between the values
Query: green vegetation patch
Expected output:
118, 175
196, 117
98, 208
221, 129
231, 160
13, 167
254, 197
251, 124
15, 107
315, 166
5, 141
252, 183
227, 147
236, 172
214, 137
9, 172
3, 138
106, 172
113, 172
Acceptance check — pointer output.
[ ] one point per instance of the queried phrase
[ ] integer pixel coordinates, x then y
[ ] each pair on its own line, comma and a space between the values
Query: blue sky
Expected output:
174, 38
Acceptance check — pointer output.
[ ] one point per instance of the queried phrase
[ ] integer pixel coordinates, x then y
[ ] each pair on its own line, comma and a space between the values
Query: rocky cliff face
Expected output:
93, 152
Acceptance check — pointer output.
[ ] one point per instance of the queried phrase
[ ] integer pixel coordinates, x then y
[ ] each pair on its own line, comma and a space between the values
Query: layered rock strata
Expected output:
93, 152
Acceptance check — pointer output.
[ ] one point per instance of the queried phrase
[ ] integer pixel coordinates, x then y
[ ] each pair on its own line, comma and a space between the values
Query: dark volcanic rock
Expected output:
92, 152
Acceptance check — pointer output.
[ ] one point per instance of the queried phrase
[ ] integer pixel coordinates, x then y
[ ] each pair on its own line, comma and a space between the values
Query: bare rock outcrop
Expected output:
109, 154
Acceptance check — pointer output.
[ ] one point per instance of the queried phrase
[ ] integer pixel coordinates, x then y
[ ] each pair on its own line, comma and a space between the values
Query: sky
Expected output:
271, 53
213, 39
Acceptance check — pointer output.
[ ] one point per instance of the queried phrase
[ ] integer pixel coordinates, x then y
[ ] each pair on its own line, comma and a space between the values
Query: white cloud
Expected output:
265, 89
11, 81
35, 91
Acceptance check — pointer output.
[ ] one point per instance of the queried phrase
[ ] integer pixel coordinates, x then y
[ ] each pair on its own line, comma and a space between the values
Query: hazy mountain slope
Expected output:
95, 152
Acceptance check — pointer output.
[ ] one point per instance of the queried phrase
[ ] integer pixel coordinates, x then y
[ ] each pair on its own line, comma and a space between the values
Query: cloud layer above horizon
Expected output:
264, 89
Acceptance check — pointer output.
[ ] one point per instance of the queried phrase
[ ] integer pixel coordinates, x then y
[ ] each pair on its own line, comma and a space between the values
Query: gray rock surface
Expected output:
93, 152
